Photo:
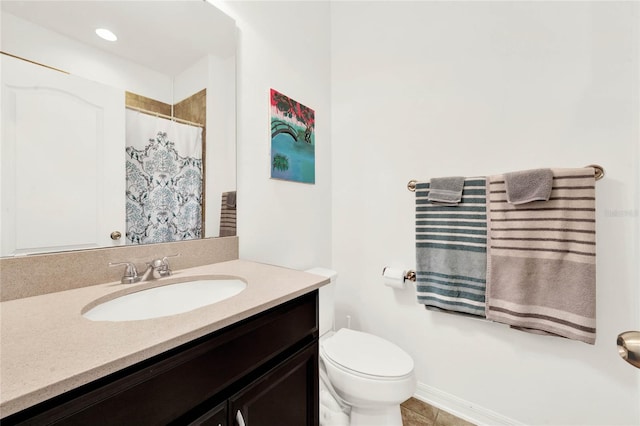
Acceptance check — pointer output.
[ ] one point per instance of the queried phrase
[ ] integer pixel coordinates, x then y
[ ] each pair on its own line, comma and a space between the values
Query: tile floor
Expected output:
418, 413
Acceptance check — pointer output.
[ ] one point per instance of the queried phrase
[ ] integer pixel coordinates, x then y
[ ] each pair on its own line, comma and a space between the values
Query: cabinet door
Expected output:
285, 396
215, 417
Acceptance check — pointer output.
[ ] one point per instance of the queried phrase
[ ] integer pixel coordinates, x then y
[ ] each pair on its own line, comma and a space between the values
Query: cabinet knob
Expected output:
239, 419
115, 235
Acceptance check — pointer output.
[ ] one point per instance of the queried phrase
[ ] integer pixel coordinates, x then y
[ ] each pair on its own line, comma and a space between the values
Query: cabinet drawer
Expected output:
165, 387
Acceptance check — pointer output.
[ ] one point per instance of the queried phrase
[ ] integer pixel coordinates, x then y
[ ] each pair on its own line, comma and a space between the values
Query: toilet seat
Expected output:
366, 355
338, 367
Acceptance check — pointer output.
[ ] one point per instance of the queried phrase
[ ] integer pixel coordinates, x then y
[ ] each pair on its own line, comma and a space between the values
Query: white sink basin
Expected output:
166, 300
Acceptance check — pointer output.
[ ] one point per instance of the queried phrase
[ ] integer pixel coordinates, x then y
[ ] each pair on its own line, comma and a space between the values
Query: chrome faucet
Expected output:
130, 275
157, 268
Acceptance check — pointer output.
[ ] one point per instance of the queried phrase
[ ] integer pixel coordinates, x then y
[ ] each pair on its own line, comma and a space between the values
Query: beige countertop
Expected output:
47, 347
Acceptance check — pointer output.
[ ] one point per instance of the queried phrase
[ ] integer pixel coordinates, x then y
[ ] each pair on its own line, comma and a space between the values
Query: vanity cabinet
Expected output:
264, 367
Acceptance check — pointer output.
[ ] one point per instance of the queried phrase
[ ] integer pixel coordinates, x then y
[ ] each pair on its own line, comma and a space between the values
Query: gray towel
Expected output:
446, 191
228, 214
528, 185
231, 199
451, 250
542, 258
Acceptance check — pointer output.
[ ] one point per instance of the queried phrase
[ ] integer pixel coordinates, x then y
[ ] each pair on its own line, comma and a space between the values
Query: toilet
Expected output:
361, 374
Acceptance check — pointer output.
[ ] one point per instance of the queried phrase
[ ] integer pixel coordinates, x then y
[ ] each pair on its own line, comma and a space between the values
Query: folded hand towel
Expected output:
528, 185
451, 245
231, 199
542, 258
446, 191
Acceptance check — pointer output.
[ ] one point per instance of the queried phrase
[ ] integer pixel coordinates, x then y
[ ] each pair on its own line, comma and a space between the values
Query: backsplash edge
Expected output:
33, 275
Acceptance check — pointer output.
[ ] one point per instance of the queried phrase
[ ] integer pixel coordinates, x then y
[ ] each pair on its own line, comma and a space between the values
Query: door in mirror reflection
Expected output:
66, 149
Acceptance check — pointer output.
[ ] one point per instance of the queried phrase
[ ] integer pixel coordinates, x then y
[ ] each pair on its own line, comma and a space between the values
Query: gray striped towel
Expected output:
451, 245
228, 214
541, 258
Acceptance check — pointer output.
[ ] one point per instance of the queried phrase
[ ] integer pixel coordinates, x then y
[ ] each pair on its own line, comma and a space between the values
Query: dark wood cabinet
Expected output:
266, 367
217, 416
284, 396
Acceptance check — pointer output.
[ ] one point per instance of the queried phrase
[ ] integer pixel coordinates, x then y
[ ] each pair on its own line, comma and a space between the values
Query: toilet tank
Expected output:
326, 299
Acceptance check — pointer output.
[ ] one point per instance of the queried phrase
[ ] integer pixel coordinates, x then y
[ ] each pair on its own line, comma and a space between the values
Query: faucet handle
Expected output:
130, 272
166, 262
164, 259
156, 264
160, 267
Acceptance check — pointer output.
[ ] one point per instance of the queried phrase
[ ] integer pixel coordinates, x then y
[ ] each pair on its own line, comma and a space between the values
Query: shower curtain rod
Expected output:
34, 62
168, 117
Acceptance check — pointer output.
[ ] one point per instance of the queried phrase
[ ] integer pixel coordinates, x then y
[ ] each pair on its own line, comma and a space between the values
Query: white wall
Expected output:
221, 135
284, 46
214, 73
427, 89
33, 42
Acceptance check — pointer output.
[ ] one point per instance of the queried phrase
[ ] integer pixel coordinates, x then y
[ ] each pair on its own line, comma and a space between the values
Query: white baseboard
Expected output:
461, 408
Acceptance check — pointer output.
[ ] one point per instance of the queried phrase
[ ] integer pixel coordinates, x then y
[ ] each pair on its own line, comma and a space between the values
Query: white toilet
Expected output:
367, 373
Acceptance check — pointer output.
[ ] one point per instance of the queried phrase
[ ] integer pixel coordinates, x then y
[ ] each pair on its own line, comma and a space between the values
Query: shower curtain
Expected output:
164, 179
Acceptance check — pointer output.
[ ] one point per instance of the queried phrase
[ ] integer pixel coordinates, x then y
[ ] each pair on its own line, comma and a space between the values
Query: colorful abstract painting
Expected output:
292, 140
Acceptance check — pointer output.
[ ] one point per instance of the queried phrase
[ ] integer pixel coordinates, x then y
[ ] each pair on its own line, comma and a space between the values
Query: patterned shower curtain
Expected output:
164, 180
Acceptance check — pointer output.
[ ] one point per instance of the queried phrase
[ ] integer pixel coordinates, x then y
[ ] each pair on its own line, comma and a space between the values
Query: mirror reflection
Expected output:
117, 141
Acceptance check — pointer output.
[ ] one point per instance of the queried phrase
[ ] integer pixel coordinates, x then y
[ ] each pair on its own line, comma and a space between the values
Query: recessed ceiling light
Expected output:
106, 34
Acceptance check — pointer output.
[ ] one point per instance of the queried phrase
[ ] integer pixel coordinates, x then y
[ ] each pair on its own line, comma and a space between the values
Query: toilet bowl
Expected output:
370, 374
361, 374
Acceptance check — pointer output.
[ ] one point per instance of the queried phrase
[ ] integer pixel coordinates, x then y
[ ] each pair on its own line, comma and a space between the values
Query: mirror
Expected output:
167, 54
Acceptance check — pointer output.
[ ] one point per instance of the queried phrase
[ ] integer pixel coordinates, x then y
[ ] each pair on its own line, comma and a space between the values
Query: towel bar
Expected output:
598, 171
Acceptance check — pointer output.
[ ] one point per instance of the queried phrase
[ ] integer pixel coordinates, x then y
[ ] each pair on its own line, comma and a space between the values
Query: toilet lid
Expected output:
367, 354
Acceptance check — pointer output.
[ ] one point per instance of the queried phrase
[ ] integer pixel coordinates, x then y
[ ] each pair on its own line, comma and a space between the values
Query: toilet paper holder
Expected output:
409, 275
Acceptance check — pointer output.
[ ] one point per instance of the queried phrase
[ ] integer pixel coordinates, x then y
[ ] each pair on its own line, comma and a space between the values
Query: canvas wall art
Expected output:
292, 140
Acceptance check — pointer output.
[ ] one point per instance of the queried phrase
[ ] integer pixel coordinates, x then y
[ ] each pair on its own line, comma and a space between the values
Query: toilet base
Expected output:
375, 417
